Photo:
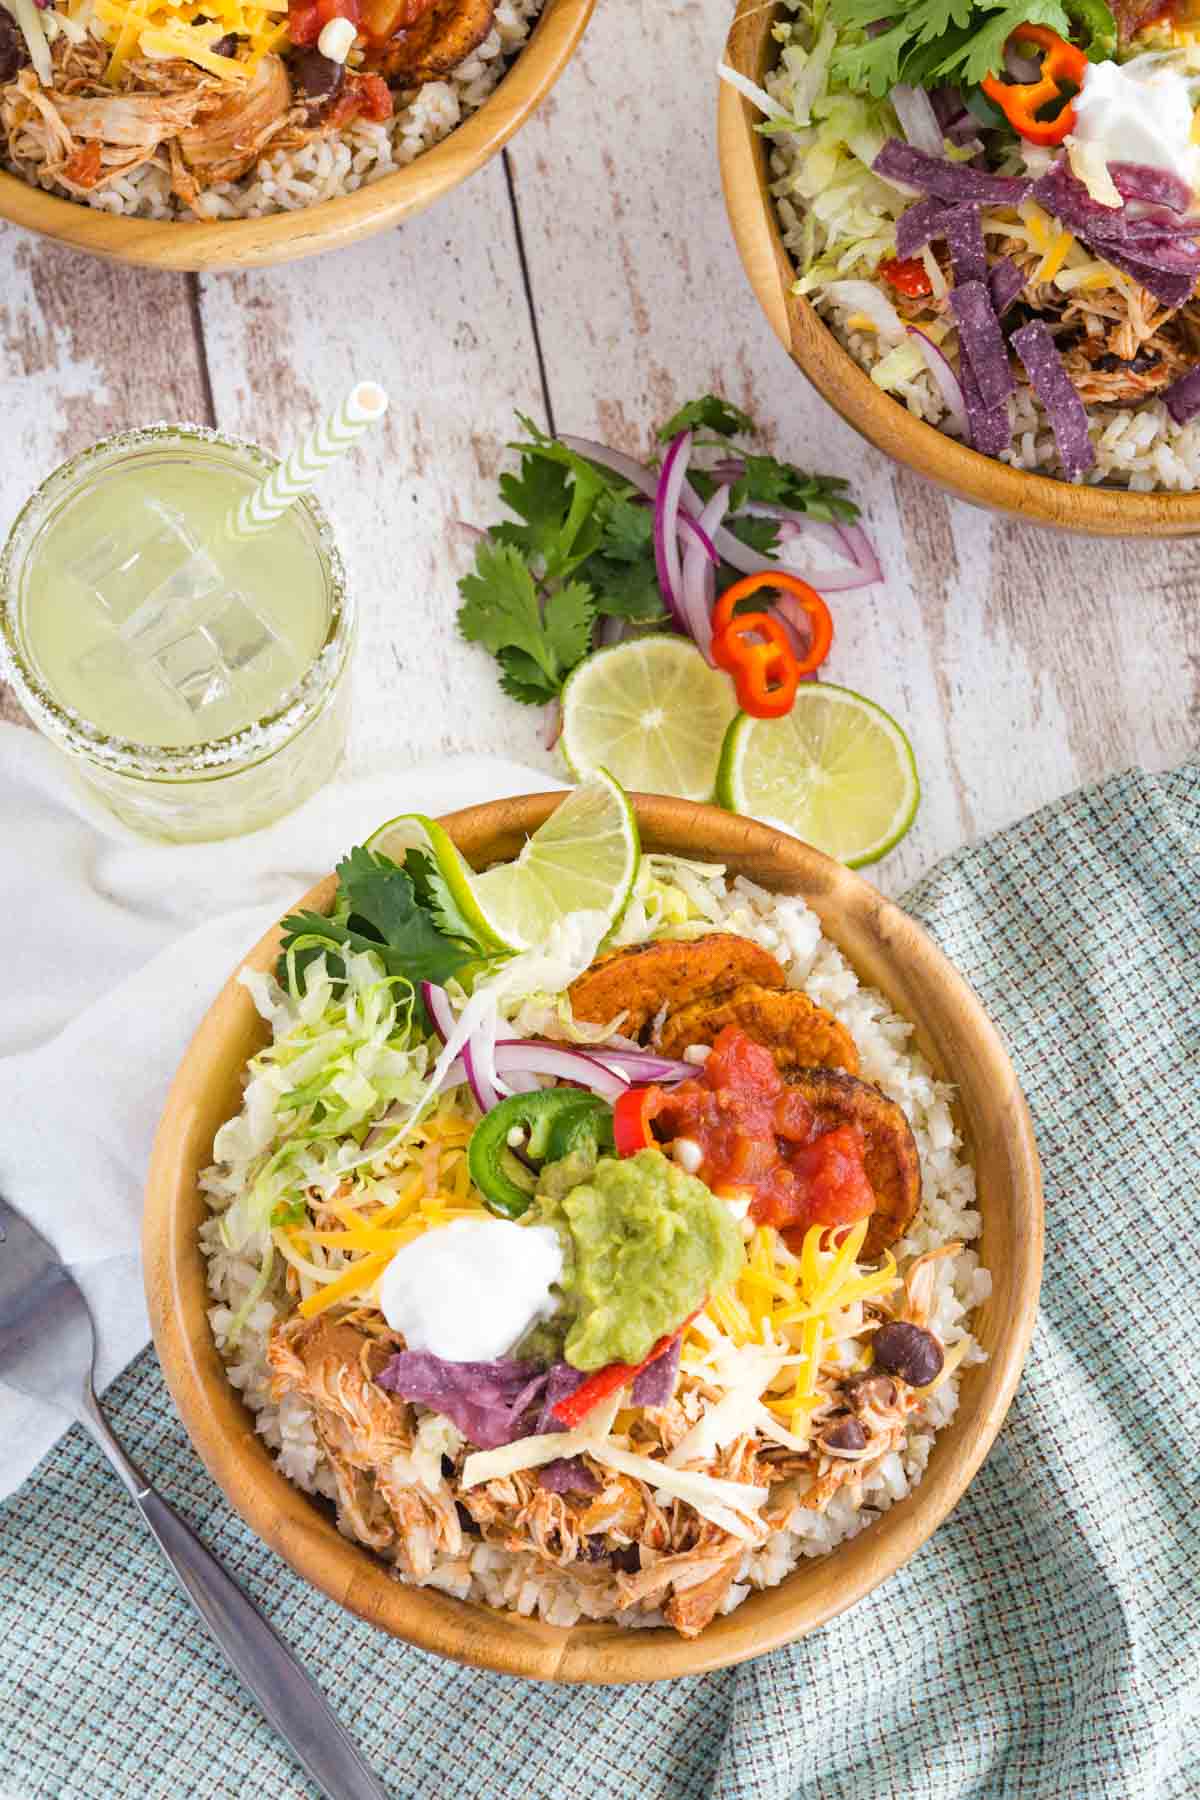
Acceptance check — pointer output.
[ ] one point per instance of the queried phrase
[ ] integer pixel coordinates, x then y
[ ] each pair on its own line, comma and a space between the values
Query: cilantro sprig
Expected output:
406, 916
930, 42
580, 545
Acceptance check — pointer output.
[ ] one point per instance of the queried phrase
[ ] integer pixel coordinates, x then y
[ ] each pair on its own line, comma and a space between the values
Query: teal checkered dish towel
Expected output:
1045, 1643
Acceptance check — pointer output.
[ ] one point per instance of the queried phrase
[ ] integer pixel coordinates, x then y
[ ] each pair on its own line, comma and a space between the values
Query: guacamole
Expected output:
647, 1244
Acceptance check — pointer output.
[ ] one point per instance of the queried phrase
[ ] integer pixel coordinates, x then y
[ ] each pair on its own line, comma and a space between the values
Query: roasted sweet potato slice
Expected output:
797, 1032
440, 39
890, 1155
639, 982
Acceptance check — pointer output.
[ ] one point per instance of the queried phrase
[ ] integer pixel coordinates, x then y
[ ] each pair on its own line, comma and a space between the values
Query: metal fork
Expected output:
47, 1350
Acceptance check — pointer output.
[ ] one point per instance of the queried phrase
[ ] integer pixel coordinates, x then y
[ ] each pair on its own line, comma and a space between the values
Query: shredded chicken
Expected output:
84, 134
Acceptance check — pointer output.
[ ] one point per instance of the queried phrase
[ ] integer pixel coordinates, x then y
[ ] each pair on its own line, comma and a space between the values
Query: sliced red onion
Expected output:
641, 1066
945, 379
482, 1091
855, 574
535, 1056
699, 591
551, 727
919, 122
859, 546
666, 527
436, 1002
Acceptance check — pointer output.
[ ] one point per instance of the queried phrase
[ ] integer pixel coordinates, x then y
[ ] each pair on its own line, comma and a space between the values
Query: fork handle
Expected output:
289, 1697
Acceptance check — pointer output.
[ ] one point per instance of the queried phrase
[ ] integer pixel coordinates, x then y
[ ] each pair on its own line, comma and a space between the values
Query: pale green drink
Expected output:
196, 676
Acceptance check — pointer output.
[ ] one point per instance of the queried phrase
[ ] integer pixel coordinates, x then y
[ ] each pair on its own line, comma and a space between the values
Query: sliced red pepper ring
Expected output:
766, 673
1063, 66
575, 1407
632, 1113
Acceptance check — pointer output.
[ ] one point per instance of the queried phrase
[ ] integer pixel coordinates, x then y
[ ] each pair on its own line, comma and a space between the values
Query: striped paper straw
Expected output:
363, 406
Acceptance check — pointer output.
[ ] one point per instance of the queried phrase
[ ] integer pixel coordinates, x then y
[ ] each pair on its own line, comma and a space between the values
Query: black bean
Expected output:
225, 46
909, 1352
844, 1434
628, 1559
13, 54
447, 1466
466, 1521
318, 76
873, 1389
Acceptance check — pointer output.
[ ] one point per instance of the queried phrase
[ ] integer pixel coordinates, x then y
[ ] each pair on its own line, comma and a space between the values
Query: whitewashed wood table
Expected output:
589, 279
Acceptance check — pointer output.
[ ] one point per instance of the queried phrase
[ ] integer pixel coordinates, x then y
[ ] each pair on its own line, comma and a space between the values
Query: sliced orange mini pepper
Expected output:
1063, 65
766, 673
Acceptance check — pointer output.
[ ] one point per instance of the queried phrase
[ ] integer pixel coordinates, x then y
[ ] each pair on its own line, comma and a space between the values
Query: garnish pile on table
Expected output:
985, 197
671, 620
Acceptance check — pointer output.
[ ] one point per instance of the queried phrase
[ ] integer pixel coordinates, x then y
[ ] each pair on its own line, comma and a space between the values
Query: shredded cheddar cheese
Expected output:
189, 29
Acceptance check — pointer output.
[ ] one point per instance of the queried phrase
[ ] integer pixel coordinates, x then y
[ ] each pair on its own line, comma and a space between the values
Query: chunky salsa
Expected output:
756, 1134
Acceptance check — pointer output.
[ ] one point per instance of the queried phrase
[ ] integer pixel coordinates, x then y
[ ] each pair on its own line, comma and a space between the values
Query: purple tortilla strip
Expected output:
1066, 198
563, 1380
1137, 181
956, 182
568, 1475
488, 1401
655, 1385
1051, 383
982, 342
990, 427
918, 225
1005, 282
964, 237
1183, 397
1171, 287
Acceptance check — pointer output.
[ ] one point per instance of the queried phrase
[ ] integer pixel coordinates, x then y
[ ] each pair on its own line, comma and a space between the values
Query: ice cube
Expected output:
238, 632
123, 568
192, 669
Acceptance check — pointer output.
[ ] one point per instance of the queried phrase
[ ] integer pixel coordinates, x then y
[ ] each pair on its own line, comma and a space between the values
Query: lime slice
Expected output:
584, 858
836, 771
650, 711
414, 831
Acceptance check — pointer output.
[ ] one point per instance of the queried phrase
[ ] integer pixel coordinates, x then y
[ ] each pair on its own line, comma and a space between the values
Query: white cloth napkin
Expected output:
115, 948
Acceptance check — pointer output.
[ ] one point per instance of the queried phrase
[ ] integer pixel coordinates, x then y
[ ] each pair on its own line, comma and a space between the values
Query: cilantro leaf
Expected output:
567, 623
378, 909
929, 42
626, 590
709, 413
501, 610
774, 483
522, 680
758, 534
432, 892
627, 530
540, 497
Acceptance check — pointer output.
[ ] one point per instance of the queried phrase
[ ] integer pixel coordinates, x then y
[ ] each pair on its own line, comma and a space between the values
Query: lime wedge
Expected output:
836, 771
584, 858
414, 831
652, 712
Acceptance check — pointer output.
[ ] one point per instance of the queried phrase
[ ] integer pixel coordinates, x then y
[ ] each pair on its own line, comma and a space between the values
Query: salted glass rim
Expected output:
239, 749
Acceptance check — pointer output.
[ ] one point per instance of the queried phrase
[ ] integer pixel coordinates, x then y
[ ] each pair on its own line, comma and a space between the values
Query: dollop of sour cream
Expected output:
471, 1290
1137, 112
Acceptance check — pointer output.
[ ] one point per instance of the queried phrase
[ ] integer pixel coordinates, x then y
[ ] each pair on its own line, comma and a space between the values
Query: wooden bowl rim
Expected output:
882, 420
222, 1431
214, 244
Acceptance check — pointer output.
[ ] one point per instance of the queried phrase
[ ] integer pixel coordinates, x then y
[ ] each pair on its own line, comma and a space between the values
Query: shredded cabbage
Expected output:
337, 1060
841, 218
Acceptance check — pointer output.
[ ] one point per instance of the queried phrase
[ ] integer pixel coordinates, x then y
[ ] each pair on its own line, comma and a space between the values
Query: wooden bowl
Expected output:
884, 421
331, 224
890, 952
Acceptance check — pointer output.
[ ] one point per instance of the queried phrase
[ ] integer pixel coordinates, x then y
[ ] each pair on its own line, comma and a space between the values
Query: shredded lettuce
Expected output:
341, 1053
